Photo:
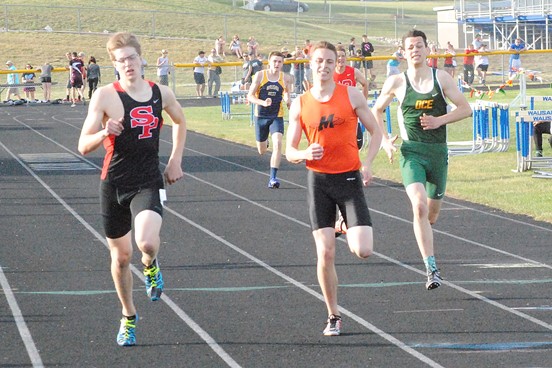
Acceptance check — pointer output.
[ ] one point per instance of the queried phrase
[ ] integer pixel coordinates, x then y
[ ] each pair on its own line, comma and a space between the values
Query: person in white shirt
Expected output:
199, 73
163, 68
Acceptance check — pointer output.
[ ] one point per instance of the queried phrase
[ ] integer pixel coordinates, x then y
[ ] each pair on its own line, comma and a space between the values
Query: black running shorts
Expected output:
345, 190
120, 206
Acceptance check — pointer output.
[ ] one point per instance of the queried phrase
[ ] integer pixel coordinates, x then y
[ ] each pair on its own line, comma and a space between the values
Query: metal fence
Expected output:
184, 25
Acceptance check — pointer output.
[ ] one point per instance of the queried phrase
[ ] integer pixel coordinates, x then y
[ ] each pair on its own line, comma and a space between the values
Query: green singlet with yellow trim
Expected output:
414, 105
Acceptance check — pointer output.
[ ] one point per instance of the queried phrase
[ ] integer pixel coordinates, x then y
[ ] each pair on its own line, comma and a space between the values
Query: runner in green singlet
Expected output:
423, 115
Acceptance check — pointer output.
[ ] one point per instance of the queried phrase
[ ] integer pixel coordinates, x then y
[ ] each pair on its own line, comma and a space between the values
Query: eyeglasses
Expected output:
129, 58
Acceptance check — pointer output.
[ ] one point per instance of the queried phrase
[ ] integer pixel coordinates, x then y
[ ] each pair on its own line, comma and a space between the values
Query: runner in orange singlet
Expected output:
328, 114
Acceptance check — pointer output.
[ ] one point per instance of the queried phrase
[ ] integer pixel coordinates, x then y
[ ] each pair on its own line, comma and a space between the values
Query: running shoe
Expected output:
126, 335
538, 153
274, 183
340, 226
333, 327
433, 280
154, 281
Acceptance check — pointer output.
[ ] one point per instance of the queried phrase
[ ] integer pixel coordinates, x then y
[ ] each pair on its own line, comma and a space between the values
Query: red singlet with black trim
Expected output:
346, 78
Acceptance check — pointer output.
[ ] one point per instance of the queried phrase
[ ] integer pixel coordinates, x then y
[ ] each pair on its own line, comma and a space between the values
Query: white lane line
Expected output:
24, 332
389, 259
185, 317
527, 260
393, 340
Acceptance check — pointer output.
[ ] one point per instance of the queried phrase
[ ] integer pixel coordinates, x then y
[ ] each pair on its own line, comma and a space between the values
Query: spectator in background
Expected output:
307, 73
286, 68
450, 63
352, 47
29, 77
393, 64
298, 69
220, 45
482, 63
76, 79
540, 128
432, 62
252, 47
199, 73
144, 65
46, 80
246, 72
68, 90
256, 64
469, 61
367, 50
94, 75
163, 68
515, 60
477, 42
308, 48
214, 73
357, 64
13, 78
84, 72
235, 46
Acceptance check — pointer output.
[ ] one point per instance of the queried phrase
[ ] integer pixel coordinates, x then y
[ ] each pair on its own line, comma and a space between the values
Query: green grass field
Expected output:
482, 178
185, 26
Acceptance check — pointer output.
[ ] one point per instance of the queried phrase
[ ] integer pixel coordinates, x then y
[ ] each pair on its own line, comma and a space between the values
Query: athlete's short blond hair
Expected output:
120, 40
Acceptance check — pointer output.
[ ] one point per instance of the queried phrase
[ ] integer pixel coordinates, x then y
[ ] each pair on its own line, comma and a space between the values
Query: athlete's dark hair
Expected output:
415, 33
120, 40
324, 45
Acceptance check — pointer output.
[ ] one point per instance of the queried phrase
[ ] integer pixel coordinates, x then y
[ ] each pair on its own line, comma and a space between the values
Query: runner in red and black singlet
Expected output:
132, 158
126, 117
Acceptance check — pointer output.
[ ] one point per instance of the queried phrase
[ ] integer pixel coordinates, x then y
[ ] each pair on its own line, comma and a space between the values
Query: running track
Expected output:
239, 265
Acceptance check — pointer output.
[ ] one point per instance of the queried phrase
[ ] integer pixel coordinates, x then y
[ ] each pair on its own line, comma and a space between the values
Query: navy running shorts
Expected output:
268, 126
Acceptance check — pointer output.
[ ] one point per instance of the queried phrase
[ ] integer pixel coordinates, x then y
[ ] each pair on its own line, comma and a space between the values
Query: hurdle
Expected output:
524, 135
227, 99
534, 99
490, 130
